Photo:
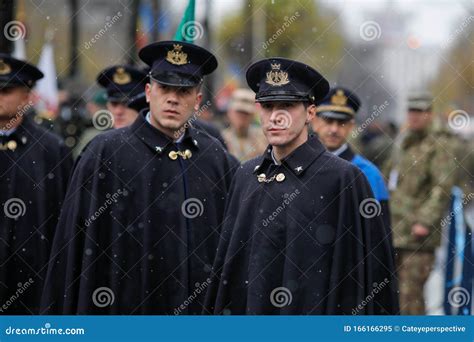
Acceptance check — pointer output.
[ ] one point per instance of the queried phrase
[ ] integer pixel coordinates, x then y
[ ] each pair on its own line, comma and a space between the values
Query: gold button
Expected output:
261, 177
173, 155
11, 145
187, 154
280, 177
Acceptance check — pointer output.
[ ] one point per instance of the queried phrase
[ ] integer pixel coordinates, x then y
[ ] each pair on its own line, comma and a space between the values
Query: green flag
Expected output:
188, 28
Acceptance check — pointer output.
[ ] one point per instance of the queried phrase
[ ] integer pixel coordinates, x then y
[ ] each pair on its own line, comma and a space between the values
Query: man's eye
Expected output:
185, 91
6, 91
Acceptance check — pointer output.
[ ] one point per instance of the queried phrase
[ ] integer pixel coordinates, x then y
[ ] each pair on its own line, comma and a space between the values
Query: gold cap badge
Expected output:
121, 76
4, 68
177, 56
277, 77
339, 98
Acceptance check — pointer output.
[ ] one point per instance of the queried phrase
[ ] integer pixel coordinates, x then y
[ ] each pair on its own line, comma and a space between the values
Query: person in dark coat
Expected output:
333, 122
34, 171
141, 220
297, 238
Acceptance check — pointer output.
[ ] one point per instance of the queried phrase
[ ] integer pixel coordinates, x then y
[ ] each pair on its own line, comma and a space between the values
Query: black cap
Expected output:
138, 102
339, 104
281, 79
122, 82
178, 64
17, 73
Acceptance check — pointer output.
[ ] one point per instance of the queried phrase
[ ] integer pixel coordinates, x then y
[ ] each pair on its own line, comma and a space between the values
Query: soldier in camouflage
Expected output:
420, 173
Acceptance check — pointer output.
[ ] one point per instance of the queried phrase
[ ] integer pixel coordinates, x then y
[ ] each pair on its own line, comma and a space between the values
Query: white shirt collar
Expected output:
7, 132
274, 159
340, 150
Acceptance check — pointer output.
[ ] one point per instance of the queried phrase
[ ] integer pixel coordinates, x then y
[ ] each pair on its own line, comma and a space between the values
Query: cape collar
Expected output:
298, 160
156, 139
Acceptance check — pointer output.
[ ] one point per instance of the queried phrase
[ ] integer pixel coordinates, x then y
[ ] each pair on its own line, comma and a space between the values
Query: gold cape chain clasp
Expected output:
11, 145
262, 178
187, 154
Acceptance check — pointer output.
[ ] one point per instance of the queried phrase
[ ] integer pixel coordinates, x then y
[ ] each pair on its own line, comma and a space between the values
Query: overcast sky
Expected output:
431, 21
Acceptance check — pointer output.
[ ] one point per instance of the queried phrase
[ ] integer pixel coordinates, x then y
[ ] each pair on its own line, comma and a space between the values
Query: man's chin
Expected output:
277, 141
172, 124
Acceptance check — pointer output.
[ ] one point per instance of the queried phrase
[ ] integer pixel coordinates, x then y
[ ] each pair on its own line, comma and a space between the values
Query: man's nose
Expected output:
172, 98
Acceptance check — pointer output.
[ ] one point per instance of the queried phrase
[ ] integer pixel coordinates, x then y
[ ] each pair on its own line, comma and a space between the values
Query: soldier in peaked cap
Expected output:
333, 123
146, 203
122, 83
308, 249
34, 169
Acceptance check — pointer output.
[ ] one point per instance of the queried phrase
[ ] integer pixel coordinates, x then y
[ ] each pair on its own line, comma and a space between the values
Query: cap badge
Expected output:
177, 56
277, 77
339, 98
121, 76
4, 68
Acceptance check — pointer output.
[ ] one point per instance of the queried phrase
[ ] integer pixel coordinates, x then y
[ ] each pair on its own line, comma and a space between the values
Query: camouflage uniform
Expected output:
421, 173
247, 147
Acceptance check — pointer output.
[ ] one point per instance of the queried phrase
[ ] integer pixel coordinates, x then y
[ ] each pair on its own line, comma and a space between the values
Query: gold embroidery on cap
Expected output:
121, 76
4, 68
177, 56
277, 77
339, 98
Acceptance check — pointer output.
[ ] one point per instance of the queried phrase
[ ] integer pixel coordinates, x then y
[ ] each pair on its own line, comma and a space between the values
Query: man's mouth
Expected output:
171, 112
275, 129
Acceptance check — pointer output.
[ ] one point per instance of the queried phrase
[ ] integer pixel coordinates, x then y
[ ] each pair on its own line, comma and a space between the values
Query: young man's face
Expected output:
284, 122
171, 107
332, 133
418, 120
123, 116
12, 101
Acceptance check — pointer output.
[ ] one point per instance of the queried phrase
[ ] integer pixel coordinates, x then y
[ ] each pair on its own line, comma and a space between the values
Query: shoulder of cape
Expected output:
249, 166
334, 163
207, 138
46, 137
110, 139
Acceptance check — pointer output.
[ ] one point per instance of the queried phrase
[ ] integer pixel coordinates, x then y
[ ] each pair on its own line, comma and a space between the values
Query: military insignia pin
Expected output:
121, 76
277, 77
339, 98
4, 68
177, 56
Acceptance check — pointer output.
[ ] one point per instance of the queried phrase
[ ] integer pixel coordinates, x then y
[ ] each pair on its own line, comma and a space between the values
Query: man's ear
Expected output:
310, 113
148, 92
197, 103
